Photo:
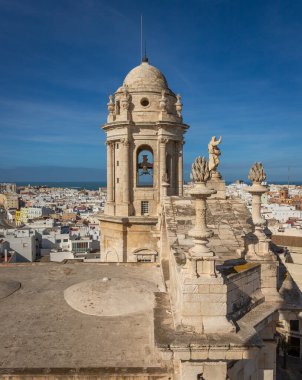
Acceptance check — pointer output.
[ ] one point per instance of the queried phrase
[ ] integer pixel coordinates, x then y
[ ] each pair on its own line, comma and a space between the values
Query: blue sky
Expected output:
237, 65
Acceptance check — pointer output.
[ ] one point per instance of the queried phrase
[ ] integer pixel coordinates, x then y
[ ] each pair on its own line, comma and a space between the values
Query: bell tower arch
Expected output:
144, 138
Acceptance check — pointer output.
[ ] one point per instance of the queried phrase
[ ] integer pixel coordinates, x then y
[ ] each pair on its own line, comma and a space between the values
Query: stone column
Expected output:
257, 176
110, 176
180, 168
201, 252
165, 185
126, 145
258, 243
162, 158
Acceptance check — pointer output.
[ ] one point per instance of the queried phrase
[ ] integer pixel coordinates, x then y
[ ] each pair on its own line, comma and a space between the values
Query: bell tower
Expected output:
144, 138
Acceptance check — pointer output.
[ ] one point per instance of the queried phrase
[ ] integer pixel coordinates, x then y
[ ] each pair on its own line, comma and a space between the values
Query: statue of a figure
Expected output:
214, 153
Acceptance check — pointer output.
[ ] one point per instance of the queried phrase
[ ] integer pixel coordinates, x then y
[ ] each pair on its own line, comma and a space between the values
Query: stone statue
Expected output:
257, 173
214, 153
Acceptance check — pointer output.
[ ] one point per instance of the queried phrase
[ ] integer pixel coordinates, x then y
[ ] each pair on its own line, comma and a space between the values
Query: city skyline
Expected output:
236, 65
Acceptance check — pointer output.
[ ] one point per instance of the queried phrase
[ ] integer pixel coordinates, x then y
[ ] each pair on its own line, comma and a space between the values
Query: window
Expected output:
58, 241
117, 146
145, 102
80, 247
294, 325
144, 259
117, 163
294, 346
65, 240
144, 168
145, 208
117, 180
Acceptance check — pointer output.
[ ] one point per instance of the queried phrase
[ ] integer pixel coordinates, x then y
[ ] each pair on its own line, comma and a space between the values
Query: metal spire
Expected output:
143, 58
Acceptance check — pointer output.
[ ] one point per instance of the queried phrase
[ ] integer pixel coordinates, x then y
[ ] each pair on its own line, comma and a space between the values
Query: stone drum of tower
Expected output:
144, 137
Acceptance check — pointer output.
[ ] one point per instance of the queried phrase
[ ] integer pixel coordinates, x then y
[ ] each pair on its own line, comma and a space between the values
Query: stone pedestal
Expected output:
258, 246
259, 243
217, 184
201, 252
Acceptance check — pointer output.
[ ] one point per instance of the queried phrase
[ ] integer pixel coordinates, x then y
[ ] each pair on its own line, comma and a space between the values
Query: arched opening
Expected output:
112, 256
144, 165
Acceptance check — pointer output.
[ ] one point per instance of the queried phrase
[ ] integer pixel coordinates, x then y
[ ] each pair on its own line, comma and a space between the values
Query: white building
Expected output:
24, 242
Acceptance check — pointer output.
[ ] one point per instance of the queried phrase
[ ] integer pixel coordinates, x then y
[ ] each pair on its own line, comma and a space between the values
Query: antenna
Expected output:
144, 57
141, 37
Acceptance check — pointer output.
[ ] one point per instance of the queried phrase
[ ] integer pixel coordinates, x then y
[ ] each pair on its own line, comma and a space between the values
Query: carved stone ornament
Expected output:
178, 105
125, 102
214, 153
110, 105
200, 170
163, 140
125, 141
257, 173
163, 101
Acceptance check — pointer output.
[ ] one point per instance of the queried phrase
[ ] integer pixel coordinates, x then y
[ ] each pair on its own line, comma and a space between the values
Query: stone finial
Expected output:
258, 247
163, 101
200, 170
257, 173
178, 105
201, 266
125, 102
110, 105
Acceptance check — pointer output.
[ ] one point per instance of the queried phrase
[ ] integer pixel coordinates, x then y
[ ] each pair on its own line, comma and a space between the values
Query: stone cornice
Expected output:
158, 124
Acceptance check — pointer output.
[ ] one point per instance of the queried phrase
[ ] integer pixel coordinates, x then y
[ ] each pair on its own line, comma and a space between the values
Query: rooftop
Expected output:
40, 330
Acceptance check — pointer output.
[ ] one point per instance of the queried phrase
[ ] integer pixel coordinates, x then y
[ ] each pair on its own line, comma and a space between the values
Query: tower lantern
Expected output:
144, 137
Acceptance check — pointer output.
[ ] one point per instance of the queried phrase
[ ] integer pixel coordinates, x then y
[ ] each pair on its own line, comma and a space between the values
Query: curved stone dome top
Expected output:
145, 77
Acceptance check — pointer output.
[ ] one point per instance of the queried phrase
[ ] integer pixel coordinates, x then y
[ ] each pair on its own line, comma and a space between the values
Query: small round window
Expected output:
145, 102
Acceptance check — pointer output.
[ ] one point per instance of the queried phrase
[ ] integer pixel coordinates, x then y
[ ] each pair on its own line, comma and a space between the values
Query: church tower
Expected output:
144, 138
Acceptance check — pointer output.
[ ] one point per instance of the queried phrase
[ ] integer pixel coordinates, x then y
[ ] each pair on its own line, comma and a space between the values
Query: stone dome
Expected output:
146, 77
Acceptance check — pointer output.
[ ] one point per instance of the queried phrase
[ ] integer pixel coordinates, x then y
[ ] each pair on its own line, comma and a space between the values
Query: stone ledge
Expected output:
129, 220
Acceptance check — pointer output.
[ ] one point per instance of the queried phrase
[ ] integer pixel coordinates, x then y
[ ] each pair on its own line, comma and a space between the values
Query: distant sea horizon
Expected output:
79, 185
95, 185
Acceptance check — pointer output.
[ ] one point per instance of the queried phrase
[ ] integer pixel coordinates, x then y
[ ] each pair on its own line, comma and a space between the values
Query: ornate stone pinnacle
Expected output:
178, 105
110, 104
200, 170
260, 247
257, 173
200, 174
163, 101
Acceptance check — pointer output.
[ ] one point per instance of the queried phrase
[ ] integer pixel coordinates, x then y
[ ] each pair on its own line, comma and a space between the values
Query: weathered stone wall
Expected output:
120, 241
243, 291
269, 280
